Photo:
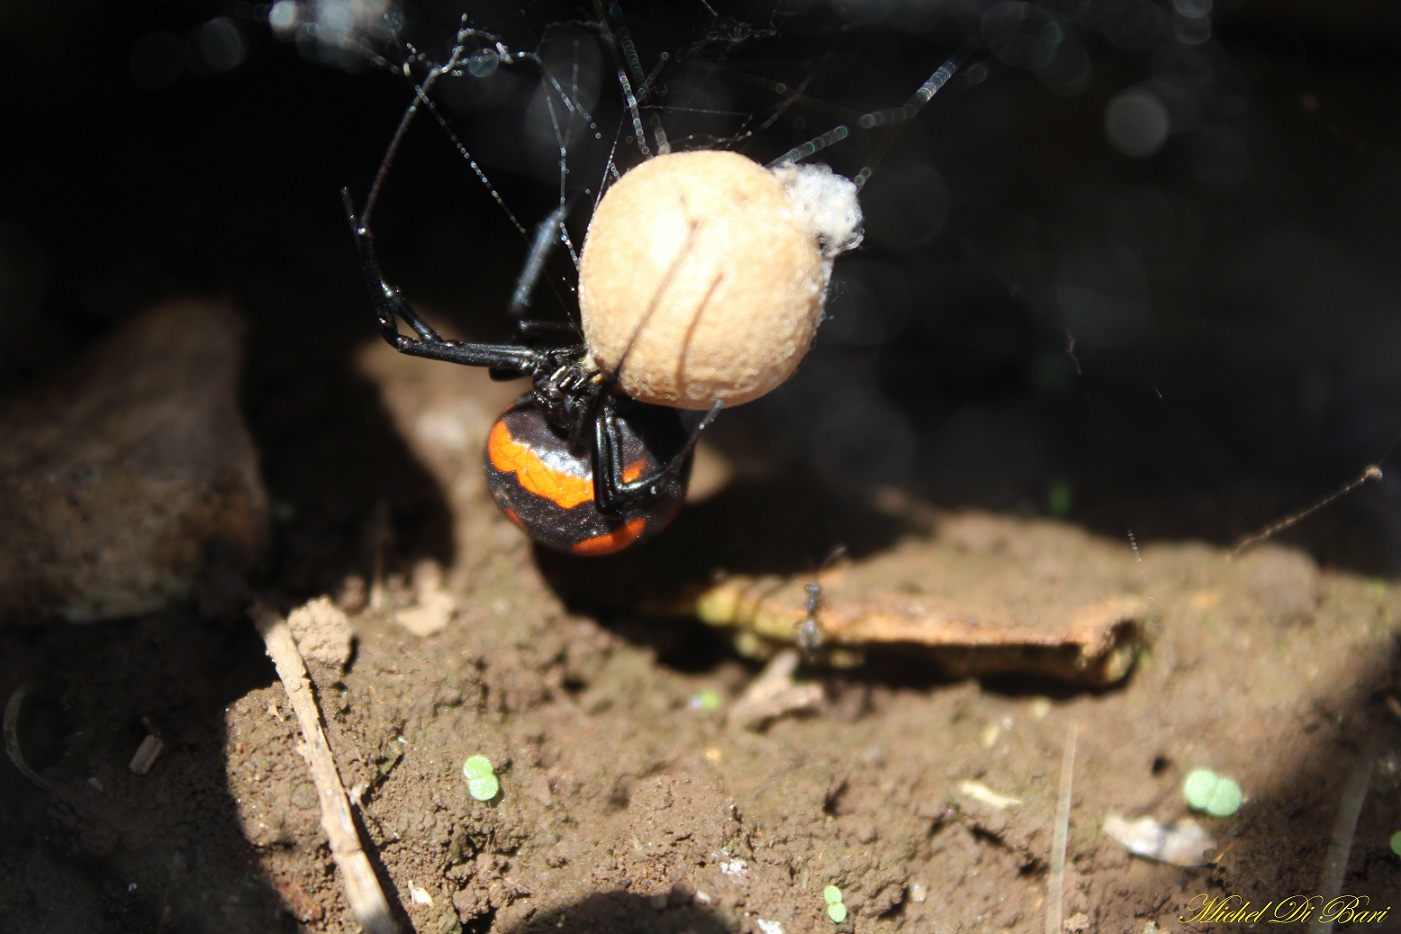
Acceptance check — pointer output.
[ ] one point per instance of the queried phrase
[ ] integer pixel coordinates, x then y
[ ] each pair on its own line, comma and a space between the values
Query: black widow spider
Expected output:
576, 463
574, 425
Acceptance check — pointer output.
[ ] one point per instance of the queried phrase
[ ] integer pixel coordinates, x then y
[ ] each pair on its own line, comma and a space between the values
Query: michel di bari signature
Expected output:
1296, 909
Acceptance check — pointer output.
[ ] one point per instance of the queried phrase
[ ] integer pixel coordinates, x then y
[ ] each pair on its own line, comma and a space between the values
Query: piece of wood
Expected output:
362, 889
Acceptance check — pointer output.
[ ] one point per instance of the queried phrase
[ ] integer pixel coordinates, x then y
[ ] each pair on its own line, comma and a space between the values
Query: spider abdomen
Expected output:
548, 490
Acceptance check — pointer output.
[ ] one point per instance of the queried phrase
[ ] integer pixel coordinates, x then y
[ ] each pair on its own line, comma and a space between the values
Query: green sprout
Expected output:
1215, 794
705, 699
835, 909
1396, 843
1060, 497
481, 778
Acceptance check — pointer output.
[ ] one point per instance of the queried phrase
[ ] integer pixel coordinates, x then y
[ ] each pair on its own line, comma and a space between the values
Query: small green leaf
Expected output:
1225, 800
832, 895
477, 767
837, 912
1060, 497
482, 783
705, 699
1215, 794
1198, 786
484, 788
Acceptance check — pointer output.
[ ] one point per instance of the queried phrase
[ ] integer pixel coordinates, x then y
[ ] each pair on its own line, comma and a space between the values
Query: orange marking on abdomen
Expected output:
510, 456
609, 542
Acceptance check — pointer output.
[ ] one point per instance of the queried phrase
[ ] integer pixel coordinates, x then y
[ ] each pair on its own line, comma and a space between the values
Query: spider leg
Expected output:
612, 494
390, 308
525, 331
546, 236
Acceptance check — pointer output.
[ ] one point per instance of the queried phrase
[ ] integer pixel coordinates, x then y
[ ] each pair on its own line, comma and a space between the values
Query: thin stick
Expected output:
362, 889
1344, 826
1055, 887
1370, 472
12, 708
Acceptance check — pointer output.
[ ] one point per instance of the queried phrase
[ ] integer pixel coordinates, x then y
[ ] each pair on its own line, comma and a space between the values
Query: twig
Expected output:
12, 707
1370, 472
1344, 826
362, 889
1055, 887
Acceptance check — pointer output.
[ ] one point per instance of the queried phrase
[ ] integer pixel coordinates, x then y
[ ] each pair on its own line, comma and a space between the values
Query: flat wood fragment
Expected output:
1094, 643
986, 596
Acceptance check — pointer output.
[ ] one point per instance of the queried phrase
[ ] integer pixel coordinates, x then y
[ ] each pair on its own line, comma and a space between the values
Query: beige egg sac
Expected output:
703, 280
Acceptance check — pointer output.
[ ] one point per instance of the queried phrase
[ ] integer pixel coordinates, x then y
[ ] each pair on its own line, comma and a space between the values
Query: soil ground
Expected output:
627, 805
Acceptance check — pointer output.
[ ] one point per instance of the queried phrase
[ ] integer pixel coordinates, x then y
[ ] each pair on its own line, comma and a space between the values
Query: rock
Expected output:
130, 474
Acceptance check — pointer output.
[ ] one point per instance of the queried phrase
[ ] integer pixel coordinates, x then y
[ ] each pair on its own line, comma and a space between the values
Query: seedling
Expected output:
704, 699
481, 778
836, 910
1215, 794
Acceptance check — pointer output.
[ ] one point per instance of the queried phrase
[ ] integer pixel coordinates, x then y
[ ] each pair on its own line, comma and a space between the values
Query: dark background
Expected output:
1230, 296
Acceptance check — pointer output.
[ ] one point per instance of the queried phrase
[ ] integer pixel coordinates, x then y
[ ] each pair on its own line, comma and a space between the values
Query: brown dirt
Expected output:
626, 806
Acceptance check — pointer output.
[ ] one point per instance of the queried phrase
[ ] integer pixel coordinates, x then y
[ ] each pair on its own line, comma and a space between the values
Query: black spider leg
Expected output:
390, 307
883, 118
389, 303
524, 329
612, 494
547, 234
